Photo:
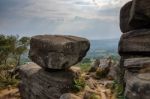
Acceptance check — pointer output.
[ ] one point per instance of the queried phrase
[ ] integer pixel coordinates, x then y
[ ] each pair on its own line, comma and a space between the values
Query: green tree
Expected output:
7, 44
21, 47
11, 49
12, 46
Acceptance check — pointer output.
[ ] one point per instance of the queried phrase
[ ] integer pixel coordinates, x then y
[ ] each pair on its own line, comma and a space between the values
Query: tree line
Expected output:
11, 49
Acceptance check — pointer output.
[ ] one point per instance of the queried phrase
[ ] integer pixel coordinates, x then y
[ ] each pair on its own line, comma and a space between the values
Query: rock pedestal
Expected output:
134, 49
51, 75
40, 84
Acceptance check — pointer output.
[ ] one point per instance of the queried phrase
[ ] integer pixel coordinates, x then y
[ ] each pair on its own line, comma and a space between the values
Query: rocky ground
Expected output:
52, 74
96, 89
100, 89
9, 93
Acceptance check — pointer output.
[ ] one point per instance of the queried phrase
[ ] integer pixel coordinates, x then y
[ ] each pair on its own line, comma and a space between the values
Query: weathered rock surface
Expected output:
56, 51
91, 95
140, 14
69, 96
135, 43
36, 83
137, 78
114, 72
94, 65
134, 49
137, 85
138, 63
124, 17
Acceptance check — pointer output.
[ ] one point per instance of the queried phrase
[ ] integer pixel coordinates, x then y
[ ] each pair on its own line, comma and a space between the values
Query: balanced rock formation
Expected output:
56, 51
134, 49
52, 75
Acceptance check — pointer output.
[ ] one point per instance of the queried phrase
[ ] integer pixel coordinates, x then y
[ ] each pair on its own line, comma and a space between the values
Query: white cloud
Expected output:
75, 17
69, 9
106, 4
74, 26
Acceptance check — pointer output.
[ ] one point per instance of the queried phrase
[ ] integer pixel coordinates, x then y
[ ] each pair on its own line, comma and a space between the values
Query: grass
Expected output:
85, 67
78, 84
118, 89
94, 96
6, 79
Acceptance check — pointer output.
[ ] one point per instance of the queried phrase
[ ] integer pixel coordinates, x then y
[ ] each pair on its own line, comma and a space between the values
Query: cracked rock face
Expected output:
57, 51
36, 83
137, 78
137, 85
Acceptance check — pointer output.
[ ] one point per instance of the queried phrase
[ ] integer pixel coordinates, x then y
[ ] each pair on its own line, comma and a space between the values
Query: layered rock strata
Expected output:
134, 49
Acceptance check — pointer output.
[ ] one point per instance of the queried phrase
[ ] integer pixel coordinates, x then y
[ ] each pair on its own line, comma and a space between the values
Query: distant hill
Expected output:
102, 48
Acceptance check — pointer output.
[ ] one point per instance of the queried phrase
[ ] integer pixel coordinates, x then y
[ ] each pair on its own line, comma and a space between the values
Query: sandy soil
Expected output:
9, 93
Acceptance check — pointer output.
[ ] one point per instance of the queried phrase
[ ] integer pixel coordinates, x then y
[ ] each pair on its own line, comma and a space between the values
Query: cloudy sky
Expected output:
93, 19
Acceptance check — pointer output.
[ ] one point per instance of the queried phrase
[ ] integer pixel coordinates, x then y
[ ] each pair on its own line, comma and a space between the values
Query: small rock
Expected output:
76, 70
113, 72
69, 96
91, 83
91, 95
94, 65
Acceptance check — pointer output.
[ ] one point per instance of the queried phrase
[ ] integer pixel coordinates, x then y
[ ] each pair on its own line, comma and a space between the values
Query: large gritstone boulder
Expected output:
135, 43
37, 83
140, 14
137, 77
56, 51
137, 85
124, 17
134, 49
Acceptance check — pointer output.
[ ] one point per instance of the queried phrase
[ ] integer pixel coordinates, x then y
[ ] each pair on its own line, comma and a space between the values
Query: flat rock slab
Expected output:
140, 14
36, 83
137, 62
57, 51
124, 17
135, 43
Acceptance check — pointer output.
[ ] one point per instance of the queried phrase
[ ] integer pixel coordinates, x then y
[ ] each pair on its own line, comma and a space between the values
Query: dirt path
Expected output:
11, 93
